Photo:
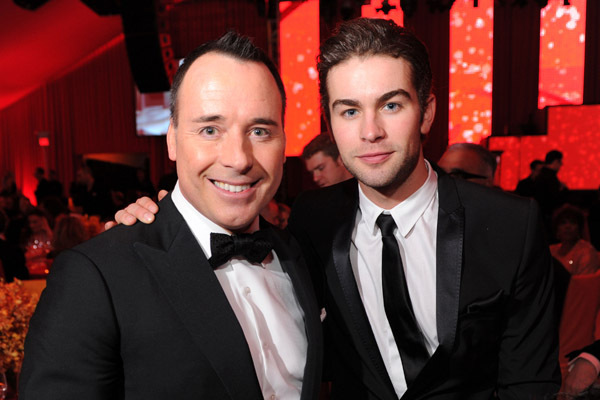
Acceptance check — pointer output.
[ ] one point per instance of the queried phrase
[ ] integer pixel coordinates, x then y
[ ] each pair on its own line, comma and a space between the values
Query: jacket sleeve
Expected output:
72, 347
528, 358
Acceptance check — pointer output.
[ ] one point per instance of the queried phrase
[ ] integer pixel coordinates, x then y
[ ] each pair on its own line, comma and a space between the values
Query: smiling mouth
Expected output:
232, 188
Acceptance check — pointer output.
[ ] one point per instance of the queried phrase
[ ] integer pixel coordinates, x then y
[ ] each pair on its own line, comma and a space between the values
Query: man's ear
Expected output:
428, 115
172, 141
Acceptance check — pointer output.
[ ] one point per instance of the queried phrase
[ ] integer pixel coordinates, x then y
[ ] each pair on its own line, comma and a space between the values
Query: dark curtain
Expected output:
516, 68
91, 109
433, 27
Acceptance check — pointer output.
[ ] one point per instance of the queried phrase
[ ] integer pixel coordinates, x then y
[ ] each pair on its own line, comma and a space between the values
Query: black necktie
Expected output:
398, 307
254, 247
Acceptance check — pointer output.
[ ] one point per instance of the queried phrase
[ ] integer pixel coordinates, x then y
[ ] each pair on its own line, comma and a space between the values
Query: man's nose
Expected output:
237, 152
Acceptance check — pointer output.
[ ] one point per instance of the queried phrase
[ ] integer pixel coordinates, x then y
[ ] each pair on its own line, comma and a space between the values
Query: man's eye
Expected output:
209, 130
350, 113
391, 106
260, 132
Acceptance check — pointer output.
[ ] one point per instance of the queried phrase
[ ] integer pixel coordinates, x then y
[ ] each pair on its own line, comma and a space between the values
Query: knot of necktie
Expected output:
254, 247
386, 224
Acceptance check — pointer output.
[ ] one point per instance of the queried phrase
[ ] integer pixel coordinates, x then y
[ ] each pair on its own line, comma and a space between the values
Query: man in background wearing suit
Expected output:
435, 287
197, 305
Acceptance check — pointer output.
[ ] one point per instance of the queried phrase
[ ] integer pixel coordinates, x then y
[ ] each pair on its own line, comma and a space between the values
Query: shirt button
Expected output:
247, 291
273, 397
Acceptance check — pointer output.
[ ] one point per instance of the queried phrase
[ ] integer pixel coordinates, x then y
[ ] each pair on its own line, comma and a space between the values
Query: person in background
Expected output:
69, 231
142, 187
12, 258
55, 187
548, 190
90, 195
204, 303
9, 184
469, 161
322, 160
37, 242
43, 188
584, 370
525, 187
576, 254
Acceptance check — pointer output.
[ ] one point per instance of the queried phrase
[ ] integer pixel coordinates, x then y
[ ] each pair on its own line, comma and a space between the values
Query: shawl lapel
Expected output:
183, 273
449, 259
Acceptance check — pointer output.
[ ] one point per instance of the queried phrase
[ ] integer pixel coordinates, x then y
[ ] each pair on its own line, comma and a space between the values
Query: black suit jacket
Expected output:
495, 321
138, 313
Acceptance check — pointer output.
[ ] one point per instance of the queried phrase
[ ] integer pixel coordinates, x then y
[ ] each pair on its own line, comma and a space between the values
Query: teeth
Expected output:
231, 188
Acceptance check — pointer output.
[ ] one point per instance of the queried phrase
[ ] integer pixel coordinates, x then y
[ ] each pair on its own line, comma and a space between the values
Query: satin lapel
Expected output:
449, 259
294, 266
191, 286
341, 279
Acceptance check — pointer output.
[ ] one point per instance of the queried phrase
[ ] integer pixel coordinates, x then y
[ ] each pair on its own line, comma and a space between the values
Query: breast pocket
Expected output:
479, 331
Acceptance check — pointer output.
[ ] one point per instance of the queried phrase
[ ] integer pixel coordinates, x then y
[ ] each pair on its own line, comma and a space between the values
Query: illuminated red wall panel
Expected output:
562, 49
395, 14
471, 46
299, 41
574, 130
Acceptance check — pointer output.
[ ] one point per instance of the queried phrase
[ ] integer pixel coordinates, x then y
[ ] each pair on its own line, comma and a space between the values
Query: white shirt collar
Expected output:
200, 226
407, 213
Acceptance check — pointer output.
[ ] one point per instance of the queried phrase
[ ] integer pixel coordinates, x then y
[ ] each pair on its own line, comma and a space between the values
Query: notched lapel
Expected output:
197, 298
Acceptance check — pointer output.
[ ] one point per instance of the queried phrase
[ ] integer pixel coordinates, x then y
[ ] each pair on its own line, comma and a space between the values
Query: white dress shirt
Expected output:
264, 302
416, 219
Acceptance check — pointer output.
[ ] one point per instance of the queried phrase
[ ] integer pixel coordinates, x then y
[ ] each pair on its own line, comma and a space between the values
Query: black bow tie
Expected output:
254, 247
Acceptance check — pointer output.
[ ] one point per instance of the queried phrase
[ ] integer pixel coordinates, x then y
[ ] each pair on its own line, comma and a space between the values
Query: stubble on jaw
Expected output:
387, 180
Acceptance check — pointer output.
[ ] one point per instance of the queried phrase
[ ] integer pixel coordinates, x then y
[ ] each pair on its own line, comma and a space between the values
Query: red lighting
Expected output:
44, 142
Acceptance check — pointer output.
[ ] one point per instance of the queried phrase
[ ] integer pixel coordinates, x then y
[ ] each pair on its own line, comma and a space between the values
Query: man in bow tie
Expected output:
201, 304
435, 287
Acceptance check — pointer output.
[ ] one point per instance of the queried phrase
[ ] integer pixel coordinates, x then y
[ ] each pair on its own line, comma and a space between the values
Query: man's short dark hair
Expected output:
40, 171
484, 154
552, 156
369, 37
534, 164
236, 46
319, 143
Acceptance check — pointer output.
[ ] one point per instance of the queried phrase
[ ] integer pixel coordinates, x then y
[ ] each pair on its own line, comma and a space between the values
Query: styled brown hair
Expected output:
368, 37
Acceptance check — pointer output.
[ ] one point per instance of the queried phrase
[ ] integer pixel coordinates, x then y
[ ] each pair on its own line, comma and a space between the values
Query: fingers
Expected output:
161, 194
109, 225
143, 210
146, 204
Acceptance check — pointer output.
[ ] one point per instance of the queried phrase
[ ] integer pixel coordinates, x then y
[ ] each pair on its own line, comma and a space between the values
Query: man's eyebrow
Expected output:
345, 102
208, 118
264, 121
390, 95
382, 99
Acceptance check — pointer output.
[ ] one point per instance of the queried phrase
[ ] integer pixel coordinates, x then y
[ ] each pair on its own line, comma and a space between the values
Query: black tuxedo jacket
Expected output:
495, 321
138, 313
